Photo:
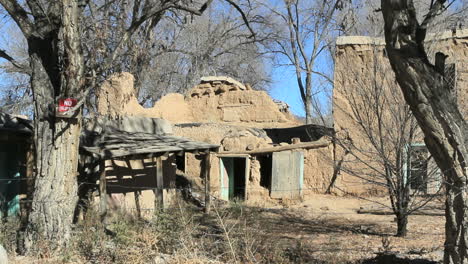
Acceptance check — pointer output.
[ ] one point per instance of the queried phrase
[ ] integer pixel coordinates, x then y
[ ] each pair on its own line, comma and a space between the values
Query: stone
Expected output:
162, 259
3, 255
219, 79
295, 140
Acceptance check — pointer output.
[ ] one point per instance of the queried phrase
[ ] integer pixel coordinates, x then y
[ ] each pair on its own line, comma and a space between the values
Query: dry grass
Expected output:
236, 234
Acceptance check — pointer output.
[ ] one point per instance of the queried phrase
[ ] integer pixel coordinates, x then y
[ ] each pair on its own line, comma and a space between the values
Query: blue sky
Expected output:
284, 86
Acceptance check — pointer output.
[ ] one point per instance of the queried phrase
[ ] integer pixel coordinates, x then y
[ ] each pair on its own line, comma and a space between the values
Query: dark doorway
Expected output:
180, 162
233, 177
265, 170
12, 170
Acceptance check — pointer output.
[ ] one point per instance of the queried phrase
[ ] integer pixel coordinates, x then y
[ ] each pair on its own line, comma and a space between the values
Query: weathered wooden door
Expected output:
226, 168
287, 174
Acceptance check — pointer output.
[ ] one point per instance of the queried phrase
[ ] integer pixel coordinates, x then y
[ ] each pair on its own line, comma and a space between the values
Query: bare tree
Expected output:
168, 56
305, 31
379, 134
434, 105
217, 43
65, 63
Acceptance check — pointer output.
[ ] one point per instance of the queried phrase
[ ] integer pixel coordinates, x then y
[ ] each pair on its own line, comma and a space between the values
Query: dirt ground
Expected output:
328, 229
329, 226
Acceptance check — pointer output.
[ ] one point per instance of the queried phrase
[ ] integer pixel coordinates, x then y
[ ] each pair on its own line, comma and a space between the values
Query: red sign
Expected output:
66, 104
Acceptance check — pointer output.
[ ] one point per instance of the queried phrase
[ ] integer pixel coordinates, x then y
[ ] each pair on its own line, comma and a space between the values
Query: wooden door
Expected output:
287, 174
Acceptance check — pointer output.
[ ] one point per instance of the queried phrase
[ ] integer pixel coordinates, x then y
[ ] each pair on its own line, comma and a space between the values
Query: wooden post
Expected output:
159, 199
103, 189
207, 182
137, 203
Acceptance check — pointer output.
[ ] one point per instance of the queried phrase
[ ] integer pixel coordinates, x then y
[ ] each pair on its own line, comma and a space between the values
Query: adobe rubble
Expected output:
215, 99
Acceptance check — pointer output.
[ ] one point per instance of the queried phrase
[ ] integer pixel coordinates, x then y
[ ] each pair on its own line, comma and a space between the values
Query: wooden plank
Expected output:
287, 174
207, 164
281, 167
296, 178
247, 176
103, 190
230, 155
159, 192
308, 145
224, 180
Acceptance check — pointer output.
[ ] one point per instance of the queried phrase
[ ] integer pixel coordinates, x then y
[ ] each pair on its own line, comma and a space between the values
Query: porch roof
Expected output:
138, 137
11, 123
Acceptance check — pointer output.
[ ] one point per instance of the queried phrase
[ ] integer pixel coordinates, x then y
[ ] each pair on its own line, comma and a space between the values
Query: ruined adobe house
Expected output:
134, 160
265, 153
370, 67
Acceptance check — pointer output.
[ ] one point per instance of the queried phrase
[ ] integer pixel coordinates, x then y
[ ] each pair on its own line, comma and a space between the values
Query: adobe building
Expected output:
265, 154
361, 71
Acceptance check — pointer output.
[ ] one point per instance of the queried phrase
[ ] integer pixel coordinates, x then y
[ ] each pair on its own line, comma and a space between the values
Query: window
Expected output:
422, 173
417, 169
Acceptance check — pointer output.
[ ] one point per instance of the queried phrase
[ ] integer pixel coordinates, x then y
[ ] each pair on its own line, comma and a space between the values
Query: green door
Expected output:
9, 179
233, 177
227, 178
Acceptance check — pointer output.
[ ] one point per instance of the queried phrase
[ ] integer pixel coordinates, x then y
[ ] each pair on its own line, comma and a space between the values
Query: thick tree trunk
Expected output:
56, 161
436, 111
402, 225
55, 188
57, 72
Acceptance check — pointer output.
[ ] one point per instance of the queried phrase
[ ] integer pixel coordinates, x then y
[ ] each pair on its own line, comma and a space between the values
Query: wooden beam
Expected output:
232, 155
308, 145
207, 166
102, 190
159, 192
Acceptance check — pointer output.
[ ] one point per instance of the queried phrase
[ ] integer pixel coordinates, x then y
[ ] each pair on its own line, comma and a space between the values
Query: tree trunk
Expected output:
56, 162
435, 108
402, 224
445, 137
308, 109
56, 61
55, 188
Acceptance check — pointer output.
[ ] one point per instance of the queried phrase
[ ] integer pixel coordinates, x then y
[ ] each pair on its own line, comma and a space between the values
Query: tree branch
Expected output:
244, 17
19, 15
7, 57
192, 10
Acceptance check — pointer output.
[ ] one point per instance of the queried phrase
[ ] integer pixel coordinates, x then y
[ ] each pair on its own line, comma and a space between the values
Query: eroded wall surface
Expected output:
361, 65
225, 113
318, 163
207, 102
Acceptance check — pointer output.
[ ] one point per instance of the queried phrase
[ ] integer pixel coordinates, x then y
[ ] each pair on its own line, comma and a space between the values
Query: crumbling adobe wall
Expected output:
370, 66
116, 98
318, 169
216, 99
318, 163
219, 111
231, 138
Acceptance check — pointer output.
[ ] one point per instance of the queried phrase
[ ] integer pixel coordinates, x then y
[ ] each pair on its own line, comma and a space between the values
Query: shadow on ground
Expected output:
393, 259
